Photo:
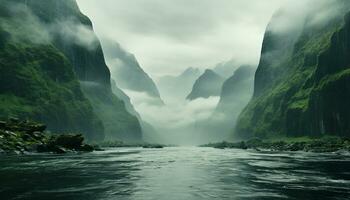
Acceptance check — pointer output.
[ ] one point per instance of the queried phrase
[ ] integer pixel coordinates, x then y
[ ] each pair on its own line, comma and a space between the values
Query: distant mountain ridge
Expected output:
178, 87
237, 91
207, 85
226, 69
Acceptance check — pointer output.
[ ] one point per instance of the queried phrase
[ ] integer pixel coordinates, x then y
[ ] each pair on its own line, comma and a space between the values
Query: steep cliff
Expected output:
118, 122
236, 92
302, 82
126, 70
208, 84
72, 33
41, 25
37, 80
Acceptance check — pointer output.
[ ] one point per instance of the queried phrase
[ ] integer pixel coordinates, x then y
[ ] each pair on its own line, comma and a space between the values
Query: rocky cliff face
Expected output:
302, 82
149, 134
208, 84
38, 81
236, 92
126, 70
72, 33
47, 47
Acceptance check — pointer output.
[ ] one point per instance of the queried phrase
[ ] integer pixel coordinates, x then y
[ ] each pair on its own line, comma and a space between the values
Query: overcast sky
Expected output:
168, 36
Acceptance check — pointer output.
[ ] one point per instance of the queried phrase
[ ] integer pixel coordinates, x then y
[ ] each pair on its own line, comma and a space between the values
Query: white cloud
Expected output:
167, 36
75, 32
175, 115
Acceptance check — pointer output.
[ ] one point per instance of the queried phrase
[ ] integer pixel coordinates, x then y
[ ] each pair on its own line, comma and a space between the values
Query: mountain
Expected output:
149, 134
236, 93
302, 81
208, 84
56, 73
226, 69
178, 86
126, 70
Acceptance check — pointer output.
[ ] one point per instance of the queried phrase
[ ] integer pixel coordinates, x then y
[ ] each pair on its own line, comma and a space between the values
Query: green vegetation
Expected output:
38, 83
118, 123
306, 93
24, 136
41, 66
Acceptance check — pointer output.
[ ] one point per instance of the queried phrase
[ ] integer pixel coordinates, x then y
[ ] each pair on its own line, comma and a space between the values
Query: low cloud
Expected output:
25, 26
72, 31
173, 116
295, 15
168, 36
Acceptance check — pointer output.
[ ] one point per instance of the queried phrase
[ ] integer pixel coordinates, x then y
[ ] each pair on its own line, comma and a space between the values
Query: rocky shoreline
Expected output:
320, 145
20, 137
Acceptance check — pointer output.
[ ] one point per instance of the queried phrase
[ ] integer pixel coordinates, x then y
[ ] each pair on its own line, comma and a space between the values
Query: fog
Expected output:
176, 121
33, 30
167, 37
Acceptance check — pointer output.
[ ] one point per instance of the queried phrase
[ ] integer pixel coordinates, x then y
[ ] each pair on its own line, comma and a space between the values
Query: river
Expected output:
175, 173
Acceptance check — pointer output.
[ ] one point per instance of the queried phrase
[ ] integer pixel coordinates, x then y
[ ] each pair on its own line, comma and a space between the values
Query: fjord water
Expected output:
176, 173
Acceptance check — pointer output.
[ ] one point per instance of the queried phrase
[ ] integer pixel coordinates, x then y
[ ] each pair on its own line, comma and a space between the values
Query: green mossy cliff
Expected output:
47, 48
302, 84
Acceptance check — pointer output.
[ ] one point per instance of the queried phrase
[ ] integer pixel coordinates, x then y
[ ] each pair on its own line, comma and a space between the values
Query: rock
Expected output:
242, 145
2, 124
20, 136
86, 148
37, 135
60, 150
31, 148
36, 128
41, 148
152, 146
68, 141
98, 148
14, 120
253, 143
297, 146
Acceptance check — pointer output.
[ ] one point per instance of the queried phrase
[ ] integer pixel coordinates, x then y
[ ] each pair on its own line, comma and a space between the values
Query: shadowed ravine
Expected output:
176, 173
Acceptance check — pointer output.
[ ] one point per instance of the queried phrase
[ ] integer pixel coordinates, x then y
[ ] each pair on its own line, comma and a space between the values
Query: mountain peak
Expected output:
207, 85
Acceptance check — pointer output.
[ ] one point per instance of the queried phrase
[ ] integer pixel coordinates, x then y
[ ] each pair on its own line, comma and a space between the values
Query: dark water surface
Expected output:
175, 173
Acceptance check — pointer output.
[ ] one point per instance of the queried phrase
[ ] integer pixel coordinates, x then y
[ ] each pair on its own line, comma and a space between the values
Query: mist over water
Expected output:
177, 120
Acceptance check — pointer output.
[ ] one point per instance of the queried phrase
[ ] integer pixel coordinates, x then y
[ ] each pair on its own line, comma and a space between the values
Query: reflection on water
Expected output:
176, 174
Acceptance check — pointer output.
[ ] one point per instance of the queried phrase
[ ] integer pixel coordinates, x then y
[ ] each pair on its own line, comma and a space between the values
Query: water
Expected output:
176, 173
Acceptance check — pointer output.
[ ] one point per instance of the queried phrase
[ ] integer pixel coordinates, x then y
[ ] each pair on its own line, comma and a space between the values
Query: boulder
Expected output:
68, 141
